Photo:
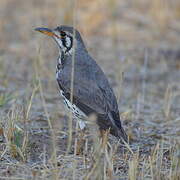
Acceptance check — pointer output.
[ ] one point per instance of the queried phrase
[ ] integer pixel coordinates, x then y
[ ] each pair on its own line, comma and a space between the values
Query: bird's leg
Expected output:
80, 142
80, 139
104, 137
104, 149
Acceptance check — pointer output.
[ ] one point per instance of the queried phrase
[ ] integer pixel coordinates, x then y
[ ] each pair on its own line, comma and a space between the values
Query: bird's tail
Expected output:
120, 133
117, 129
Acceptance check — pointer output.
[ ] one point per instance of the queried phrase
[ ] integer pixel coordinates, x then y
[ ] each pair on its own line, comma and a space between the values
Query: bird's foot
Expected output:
80, 143
104, 138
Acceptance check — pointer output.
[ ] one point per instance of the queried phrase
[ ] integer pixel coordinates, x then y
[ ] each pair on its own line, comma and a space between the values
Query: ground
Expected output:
137, 45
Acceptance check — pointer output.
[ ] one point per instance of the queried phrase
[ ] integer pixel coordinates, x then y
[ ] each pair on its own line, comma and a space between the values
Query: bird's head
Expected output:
66, 37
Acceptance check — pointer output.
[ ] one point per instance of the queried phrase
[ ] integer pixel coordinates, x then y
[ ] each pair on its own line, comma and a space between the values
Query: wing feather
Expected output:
92, 92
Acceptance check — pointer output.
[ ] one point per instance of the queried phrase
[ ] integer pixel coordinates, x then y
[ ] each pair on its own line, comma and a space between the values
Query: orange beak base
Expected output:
45, 31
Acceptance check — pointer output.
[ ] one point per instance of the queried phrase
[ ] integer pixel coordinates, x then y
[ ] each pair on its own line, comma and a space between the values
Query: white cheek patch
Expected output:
59, 42
68, 42
64, 47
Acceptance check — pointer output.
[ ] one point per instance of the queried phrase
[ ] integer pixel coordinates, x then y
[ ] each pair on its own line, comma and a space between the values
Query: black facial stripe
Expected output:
68, 48
63, 34
64, 42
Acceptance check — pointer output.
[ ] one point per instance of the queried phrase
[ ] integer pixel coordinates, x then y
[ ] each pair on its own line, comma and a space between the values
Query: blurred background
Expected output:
136, 42
115, 32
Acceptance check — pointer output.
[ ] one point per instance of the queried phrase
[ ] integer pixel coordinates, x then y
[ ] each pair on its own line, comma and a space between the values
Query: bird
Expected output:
92, 92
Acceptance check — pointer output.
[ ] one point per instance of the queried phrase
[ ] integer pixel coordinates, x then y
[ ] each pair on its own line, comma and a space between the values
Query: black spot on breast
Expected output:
77, 114
67, 104
59, 66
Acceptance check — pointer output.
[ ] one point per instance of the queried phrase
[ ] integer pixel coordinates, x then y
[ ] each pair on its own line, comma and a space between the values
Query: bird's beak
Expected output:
46, 31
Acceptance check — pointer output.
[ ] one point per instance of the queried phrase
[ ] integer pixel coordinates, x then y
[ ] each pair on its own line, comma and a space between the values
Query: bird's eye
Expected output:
63, 34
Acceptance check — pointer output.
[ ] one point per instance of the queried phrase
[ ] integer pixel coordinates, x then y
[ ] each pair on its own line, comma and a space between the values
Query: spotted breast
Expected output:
77, 113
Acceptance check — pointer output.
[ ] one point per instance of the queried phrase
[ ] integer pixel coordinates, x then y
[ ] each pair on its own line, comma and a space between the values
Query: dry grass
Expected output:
137, 44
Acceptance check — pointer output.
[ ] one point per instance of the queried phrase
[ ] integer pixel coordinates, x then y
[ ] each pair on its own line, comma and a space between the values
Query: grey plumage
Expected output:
92, 92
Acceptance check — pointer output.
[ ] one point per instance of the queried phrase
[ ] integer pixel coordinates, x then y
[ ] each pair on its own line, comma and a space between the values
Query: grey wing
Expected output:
91, 97
87, 97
